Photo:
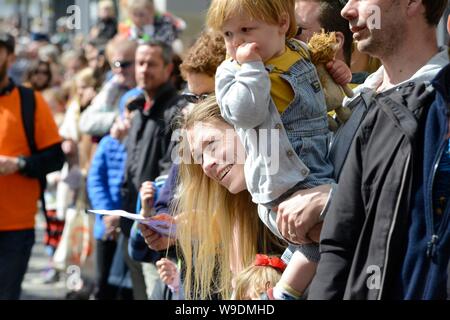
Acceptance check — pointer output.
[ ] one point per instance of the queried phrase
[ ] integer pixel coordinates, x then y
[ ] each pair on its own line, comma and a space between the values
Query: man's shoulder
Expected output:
176, 103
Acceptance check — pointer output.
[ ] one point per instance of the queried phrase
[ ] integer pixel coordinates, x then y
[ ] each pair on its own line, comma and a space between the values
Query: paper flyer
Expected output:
162, 226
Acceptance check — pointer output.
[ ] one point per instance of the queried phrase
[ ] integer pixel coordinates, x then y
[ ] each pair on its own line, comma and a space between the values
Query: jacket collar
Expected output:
426, 73
162, 96
416, 97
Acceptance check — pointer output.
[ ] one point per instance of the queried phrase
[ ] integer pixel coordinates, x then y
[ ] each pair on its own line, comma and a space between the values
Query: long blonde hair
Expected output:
211, 217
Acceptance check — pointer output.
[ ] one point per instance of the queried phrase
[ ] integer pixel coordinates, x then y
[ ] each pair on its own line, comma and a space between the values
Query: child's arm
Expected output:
243, 93
340, 72
170, 275
296, 277
147, 194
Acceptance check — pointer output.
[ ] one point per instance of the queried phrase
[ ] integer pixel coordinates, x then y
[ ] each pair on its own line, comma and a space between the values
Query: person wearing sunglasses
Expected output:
194, 98
39, 76
99, 117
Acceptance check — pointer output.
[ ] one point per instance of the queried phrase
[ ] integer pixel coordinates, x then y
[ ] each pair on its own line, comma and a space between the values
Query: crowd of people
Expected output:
265, 192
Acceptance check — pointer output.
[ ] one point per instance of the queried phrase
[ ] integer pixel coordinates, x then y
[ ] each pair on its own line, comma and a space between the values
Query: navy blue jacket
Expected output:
137, 248
425, 268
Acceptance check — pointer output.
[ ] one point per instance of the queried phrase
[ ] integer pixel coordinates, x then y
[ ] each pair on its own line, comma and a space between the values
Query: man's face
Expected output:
378, 26
307, 14
122, 65
151, 71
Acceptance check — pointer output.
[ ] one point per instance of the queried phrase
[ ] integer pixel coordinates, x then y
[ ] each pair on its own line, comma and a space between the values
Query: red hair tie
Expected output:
274, 262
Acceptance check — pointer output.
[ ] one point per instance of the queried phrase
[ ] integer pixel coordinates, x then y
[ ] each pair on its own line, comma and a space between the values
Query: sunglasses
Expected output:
44, 72
194, 98
122, 64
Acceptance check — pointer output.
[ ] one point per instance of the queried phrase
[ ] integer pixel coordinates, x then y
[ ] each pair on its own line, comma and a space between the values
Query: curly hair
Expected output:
205, 55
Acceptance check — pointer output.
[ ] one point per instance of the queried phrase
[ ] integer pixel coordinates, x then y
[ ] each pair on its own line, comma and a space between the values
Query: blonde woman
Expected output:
218, 228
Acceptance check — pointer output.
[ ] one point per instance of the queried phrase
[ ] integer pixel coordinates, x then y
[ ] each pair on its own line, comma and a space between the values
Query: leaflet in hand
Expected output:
158, 223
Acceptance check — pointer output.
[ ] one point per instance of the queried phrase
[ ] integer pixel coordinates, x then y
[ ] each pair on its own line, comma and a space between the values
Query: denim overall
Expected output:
306, 125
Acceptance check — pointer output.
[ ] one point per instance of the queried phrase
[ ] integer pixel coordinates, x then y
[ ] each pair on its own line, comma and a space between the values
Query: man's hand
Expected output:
154, 240
314, 233
247, 52
69, 147
297, 215
340, 72
120, 128
8, 165
147, 196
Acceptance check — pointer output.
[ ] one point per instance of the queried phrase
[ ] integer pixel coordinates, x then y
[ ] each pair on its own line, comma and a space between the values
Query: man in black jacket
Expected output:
26, 156
149, 145
365, 234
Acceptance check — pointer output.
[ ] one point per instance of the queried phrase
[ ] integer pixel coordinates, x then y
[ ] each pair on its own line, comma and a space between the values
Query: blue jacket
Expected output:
424, 272
105, 179
166, 193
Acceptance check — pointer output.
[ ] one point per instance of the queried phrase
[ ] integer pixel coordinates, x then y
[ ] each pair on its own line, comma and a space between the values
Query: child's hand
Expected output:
147, 195
340, 72
167, 271
120, 128
247, 52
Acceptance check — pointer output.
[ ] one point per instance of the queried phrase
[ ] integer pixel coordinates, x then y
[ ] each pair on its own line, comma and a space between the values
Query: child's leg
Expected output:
296, 278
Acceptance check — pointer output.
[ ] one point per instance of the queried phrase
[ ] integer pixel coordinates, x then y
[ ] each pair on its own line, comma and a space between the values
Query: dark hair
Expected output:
434, 9
167, 52
34, 67
331, 20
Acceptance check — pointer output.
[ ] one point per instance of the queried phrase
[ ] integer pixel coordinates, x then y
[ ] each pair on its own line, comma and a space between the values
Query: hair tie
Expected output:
274, 262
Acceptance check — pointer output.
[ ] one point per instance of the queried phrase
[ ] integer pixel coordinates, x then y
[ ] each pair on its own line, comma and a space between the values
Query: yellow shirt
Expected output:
281, 91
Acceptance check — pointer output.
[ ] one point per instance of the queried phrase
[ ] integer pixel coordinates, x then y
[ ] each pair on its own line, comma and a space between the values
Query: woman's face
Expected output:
40, 77
216, 146
200, 83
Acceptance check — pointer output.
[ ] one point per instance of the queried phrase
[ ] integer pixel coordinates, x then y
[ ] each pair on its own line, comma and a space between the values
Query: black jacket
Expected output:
149, 146
366, 228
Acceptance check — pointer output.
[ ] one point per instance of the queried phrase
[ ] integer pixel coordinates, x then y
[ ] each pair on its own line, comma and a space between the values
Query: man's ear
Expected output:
169, 69
340, 39
415, 7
